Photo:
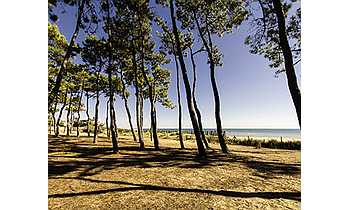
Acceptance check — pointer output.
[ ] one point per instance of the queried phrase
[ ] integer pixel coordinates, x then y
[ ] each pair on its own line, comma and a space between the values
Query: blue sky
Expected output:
250, 95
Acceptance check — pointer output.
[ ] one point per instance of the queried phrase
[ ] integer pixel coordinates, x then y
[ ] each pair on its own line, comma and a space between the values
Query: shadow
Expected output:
266, 195
88, 159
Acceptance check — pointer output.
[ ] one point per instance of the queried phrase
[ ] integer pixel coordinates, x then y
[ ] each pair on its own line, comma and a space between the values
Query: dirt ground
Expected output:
83, 175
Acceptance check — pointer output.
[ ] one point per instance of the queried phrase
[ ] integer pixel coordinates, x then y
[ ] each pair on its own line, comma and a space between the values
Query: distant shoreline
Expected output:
266, 138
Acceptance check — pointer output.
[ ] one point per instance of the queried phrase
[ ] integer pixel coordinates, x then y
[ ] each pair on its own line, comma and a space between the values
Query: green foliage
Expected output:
208, 18
89, 14
273, 143
258, 145
265, 41
57, 46
94, 52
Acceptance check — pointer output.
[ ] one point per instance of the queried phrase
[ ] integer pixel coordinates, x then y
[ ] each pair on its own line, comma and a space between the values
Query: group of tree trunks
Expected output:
136, 17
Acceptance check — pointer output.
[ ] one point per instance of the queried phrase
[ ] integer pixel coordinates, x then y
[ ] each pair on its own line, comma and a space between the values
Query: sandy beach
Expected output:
83, 175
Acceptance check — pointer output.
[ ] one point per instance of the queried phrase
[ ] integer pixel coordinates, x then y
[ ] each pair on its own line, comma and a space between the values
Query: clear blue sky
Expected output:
250, 95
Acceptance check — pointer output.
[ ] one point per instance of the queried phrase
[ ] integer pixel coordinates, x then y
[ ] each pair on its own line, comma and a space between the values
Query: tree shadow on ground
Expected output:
88, 159
132, 186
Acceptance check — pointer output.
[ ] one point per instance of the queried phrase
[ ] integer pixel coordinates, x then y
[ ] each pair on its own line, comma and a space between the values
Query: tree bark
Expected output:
179, 102
107, 120
139, 130
127, 107
288, 59
59, 116
115, 123
53, 111
198, 112
80, 99
67, 56
111, 91
87, 113
68, 111
153, 120
200, 145
214, 86
71, 120
141, 116
50, 124
97, 104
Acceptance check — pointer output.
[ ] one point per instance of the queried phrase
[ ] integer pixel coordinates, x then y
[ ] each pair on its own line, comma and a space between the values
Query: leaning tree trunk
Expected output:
66, 57
97, 104
200, 145
139, 130
115, 123
127, 107
111, 91
61, 111
217, 111
155, 117
288, 59
153, 120
87, 113
198, 112
179, 102
71, 120
214, 86
141, 116
80, 98
107, 120
50, 124
53, 111
69, 110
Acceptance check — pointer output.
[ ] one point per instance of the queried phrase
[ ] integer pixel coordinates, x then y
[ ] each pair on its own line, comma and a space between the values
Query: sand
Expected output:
83, 175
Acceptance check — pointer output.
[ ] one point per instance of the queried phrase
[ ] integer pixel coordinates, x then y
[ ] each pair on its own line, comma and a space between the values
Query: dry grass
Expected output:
83, 175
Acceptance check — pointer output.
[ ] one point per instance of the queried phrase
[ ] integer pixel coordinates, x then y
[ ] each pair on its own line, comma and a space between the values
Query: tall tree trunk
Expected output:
50, 124
87, 113
139, 130
68, 112
80, 99
179, 102
71, 120
115, 123
288, 59
153, 120
67, 56
200, 145
59, 116
107, 120
53, 111
127, 107
141, 116
111, 91
97, 104
209, 49
198, 112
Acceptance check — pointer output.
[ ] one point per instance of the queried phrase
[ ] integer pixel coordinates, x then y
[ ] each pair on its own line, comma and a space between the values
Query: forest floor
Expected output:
83, 175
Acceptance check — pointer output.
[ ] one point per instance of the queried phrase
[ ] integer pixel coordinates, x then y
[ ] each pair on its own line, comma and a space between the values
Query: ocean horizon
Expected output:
251, 132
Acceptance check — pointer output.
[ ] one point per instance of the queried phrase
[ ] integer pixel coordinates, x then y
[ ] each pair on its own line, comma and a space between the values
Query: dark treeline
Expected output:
125, 57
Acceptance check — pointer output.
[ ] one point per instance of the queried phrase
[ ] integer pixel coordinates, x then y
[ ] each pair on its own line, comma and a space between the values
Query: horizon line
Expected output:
231, 128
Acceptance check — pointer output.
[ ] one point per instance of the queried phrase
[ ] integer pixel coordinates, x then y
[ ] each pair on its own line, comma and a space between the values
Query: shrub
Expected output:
258, 145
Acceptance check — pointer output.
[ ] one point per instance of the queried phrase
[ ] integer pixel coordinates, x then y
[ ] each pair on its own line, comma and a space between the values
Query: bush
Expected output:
273, 143
258, 145
212, 139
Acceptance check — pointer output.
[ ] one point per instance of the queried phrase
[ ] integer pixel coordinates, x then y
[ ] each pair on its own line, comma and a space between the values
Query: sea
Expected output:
259, 132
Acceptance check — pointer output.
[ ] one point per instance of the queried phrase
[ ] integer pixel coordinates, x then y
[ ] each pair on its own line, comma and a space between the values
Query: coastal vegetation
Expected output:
94, 164
124, 56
